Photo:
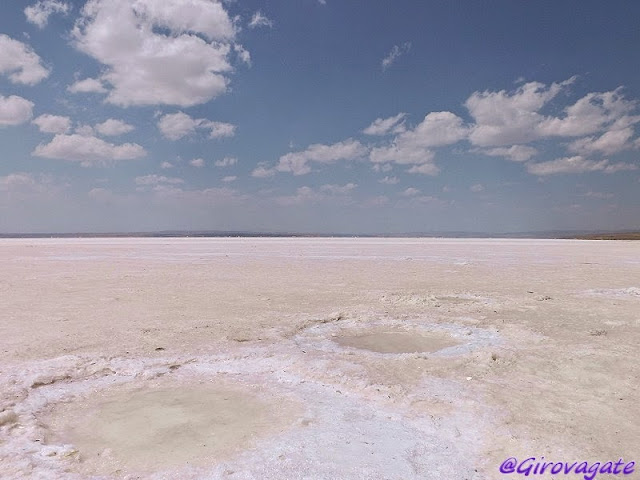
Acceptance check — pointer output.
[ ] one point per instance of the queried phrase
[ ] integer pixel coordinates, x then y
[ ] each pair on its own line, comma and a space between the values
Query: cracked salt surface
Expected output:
298, 421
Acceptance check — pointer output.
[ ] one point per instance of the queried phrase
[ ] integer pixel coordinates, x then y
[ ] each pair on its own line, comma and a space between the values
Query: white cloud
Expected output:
151, 180
413, 147
338, 189
577, 164
478, 187
226, 162
410, 192
389, 180
230, 178
261, 171
384, 126
608, 143
52, 123
436, 130
197, 162
20, 62
166, 165
242, 53
87, 85
425, 169
88, 150
85, 130
401, 154
39, 12
259, 20
178, 125
113, 127
143, 66
394, 54
620, 167
25, 185
600, 195
298, 162
515, 153
507, 118
590, 114
382, 167
15, 110
303, 195
207, 197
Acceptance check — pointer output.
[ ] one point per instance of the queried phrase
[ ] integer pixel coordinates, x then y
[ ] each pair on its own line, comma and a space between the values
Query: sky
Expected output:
326, 116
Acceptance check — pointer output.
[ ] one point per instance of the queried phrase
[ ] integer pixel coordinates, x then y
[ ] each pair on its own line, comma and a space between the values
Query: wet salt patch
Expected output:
630, 292
155, 427
437, 339
355, 433
396, 342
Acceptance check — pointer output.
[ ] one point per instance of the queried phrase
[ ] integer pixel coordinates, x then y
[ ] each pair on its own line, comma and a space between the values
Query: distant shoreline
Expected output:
559, 235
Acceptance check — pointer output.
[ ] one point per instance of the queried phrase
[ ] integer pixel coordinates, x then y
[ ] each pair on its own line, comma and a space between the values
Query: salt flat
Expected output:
315, 358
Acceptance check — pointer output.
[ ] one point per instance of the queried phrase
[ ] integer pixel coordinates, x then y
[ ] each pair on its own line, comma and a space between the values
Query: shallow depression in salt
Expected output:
164, 424
259, 413
397, 341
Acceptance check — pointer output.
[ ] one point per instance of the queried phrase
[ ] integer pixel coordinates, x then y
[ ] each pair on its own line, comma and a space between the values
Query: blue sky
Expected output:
319, 116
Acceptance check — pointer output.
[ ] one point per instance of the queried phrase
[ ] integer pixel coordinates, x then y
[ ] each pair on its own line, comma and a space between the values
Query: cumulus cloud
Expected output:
85, 130
515, 153
514, 118
262, 171
600, 195
178, 125
22, 185
39, 12
410, 192
197, 162
259, 20
152, 180
592, 113
15, 110
334, 193
477, 188
88, 150
382, 167
507, 118
401, 154
413, 146
396, 52
436, 130
156, 52
52, 123
384, 126
87, 85
338, 189
20, 62
425, 169
226, 162
166, 165
608, 143
242, 54
577, 164
389, 180
229, 178
298, 162
113, 127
